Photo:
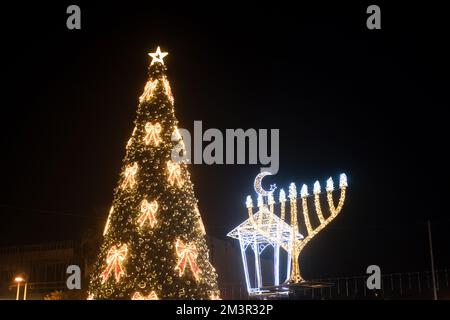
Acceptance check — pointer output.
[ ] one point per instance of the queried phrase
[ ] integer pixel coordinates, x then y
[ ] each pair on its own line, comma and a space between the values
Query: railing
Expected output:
234, 291
405, 285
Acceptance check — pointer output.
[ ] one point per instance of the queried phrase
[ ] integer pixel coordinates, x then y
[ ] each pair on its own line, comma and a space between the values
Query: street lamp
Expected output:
20, 279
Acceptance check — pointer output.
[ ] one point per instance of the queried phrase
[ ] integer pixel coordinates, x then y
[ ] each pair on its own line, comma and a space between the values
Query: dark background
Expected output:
371, 103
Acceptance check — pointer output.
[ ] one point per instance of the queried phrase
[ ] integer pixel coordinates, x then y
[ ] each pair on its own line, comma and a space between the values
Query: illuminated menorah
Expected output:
265, 228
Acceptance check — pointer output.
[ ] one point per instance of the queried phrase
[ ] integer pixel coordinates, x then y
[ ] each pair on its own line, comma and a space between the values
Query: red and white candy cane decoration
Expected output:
187, 254
174, 173
114, 259
152, 137
138, 296
148, 212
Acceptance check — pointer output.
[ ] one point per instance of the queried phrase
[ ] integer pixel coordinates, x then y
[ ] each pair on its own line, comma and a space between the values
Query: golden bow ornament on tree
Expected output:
138, 296
152, 134
148, 212
114, 260
174, 170
187, 255
130, 176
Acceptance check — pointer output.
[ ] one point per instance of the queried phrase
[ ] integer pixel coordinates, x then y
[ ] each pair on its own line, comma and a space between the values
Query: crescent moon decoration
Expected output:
258, 187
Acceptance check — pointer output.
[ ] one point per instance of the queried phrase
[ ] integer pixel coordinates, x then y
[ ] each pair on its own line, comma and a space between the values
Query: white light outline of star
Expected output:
158, 56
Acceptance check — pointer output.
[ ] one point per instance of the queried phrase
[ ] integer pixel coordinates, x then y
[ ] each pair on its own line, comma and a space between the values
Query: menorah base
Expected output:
294, 280
288, 290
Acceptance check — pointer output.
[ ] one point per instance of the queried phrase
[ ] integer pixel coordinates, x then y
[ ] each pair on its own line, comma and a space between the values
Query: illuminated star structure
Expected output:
158, 56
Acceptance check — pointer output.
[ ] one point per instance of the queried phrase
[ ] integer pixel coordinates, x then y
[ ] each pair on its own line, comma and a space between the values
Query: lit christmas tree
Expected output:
154, 240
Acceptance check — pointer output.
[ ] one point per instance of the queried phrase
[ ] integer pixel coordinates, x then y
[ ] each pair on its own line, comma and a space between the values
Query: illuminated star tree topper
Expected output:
157, 56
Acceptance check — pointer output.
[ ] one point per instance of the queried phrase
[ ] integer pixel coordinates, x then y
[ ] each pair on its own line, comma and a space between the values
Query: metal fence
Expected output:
406, 285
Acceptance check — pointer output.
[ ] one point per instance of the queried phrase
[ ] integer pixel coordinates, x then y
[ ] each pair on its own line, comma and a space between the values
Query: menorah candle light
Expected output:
265, 228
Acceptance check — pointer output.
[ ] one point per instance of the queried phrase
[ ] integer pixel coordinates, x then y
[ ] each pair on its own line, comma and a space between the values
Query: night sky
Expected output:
347, 99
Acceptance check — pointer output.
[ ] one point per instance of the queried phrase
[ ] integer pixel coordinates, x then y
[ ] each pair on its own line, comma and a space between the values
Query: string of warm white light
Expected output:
106, 229
317, 202
343, 185
334, 211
